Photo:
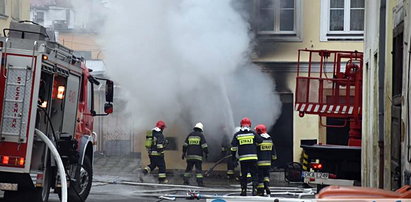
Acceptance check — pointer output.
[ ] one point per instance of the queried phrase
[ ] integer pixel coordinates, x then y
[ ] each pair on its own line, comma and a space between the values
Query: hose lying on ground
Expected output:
207, 173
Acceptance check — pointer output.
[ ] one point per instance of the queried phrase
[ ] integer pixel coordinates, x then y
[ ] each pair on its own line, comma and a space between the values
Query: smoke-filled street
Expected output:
210, 100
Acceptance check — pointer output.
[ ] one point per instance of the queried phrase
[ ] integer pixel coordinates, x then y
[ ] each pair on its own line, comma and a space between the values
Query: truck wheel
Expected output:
80, 188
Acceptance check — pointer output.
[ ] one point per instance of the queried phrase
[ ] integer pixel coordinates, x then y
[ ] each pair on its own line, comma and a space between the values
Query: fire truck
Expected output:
329, 84
45, 87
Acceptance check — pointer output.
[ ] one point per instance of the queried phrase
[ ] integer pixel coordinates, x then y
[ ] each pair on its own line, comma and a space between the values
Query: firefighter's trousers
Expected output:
230, 169
263, 179
248, 166
199, 171
157, 161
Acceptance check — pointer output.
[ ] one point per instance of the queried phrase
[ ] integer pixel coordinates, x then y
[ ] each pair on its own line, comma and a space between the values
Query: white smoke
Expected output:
186, 61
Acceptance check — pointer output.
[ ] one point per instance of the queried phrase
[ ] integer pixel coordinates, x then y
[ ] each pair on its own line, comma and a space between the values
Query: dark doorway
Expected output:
282, 132
397, 62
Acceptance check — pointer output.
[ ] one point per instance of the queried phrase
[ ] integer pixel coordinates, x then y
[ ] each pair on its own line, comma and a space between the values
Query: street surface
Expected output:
125, 183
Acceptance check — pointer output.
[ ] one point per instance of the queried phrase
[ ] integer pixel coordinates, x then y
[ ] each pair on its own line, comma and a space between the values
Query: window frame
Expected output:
276, 34
327, 35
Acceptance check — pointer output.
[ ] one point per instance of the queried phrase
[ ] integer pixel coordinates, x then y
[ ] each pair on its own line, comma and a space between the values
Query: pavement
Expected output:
120, 179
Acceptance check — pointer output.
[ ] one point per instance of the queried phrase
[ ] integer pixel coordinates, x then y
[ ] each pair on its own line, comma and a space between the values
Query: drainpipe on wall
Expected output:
381, 78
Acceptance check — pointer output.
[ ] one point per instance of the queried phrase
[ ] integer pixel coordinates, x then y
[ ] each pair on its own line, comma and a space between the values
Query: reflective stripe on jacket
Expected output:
245, 143
195, 145
265, 150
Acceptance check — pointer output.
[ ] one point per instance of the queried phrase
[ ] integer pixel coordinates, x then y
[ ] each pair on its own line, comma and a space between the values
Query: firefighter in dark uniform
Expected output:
155, 148
245, 143
266, 155
194, 147
225, 151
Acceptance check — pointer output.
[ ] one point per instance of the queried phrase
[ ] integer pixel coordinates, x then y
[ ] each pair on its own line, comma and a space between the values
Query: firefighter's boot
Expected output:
186, 179
200, 182
267, 188
260, 192
243, 188
254, 191
260, 189
163, 180
146, 170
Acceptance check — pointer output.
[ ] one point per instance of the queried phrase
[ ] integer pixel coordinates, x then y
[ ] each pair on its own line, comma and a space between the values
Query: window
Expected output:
2, 7
278, 18
345, 20
15, 9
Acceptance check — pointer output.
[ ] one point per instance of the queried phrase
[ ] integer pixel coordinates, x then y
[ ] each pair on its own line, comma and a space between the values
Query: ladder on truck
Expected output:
16, 100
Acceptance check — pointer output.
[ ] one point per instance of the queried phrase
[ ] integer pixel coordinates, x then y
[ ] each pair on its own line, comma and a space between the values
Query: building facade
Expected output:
13, 10
386, 128
284, 26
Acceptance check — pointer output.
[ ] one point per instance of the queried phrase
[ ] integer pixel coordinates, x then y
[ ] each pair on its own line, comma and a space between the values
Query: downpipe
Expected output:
60, 165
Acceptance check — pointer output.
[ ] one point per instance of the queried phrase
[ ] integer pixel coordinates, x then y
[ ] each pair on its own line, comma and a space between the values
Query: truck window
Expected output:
44, 100
57, 102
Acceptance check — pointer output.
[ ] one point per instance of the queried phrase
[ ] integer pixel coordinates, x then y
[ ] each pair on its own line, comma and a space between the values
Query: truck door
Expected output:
71, 103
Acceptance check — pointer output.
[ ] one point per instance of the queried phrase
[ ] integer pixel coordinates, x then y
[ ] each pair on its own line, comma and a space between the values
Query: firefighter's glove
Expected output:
206, 156
183, 156
165, 143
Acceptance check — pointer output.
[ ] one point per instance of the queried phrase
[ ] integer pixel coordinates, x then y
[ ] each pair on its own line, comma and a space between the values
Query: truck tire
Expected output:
80, 188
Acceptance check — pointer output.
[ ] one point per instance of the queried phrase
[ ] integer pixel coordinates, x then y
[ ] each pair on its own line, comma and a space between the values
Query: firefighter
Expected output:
225, 151
245, 143
156, 144
266, 154
194, 147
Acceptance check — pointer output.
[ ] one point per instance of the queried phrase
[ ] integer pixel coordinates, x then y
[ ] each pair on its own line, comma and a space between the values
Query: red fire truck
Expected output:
329, 84
45, 87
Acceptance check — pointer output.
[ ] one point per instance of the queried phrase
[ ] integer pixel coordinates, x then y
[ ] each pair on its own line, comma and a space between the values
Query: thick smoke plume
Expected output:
186, 61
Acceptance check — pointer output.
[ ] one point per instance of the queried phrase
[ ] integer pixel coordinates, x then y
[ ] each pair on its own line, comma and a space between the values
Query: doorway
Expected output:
282, 132
397, 63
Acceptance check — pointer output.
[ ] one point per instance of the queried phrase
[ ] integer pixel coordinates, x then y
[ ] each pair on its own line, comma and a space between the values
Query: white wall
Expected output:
370, 149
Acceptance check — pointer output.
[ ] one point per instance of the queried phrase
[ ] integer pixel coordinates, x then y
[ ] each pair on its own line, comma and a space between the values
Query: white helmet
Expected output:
199, 125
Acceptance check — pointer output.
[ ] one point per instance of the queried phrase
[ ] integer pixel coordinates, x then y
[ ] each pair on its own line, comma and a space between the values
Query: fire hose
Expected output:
192, 192
191, 195
207, 173
60, 165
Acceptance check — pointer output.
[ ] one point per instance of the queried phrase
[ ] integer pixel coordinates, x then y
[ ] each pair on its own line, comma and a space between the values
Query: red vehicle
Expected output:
44, 86
331, 87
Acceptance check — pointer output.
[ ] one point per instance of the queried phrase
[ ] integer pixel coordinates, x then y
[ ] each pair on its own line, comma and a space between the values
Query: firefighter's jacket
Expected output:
195, 145
266, 151
245, 143
158, 144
